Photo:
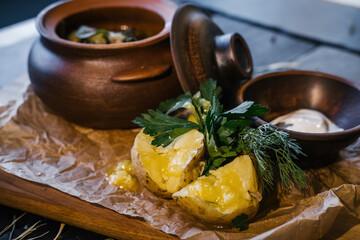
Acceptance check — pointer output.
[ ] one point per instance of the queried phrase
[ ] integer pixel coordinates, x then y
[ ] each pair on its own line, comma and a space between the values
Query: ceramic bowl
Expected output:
103, 85
288, 91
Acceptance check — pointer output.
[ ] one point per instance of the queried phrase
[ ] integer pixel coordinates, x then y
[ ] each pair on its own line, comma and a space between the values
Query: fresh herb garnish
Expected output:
164, 127
268, 143
227, 134
171, 105
241, 222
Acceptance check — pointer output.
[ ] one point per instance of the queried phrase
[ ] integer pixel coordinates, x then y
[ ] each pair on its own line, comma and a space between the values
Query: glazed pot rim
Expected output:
302, 135
47, 26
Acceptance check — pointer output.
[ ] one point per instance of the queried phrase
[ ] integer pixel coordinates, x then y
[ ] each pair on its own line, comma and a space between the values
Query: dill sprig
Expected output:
268, 145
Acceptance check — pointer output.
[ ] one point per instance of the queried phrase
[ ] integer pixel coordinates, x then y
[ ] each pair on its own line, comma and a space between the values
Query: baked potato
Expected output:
165, 170
226, 193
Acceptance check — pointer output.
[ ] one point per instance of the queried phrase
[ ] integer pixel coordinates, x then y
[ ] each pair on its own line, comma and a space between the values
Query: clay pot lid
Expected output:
201, 51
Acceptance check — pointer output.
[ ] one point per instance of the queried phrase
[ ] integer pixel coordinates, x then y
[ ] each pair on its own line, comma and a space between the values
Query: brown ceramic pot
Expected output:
107, 85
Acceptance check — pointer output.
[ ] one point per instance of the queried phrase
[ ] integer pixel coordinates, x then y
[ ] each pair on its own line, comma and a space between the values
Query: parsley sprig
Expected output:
227, 134
164, 127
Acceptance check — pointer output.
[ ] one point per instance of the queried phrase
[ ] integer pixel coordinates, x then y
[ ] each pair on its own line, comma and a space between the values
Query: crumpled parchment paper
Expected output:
39, 146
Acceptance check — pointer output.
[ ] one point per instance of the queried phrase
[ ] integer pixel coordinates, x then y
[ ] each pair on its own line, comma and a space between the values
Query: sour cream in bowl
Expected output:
306, 120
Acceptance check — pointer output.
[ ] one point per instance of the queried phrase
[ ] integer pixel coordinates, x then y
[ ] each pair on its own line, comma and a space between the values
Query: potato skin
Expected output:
143, 176
202, 210
190, 173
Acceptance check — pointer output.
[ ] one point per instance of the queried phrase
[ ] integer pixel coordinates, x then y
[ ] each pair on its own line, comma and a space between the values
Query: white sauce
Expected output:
306, 120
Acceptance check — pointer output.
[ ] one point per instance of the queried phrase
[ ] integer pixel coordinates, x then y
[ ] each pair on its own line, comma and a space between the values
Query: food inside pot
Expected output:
87, 34
110, 25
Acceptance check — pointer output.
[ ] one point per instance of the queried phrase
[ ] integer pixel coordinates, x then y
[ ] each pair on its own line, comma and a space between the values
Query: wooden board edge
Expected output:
48, 202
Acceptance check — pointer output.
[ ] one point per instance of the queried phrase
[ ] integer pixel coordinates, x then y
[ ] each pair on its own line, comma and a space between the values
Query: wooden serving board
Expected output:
50, 203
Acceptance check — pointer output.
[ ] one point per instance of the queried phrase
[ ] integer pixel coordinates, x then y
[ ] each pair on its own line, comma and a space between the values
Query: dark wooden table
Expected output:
305, 34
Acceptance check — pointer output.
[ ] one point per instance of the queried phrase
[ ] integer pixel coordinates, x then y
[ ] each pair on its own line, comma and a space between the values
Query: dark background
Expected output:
13, 11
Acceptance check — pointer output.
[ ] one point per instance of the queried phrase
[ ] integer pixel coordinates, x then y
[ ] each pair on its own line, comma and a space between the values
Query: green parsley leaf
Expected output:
214, 112
218, 162
158, 123
209, 90
246, 109
168, 137
229, 128
241, 222
171, 105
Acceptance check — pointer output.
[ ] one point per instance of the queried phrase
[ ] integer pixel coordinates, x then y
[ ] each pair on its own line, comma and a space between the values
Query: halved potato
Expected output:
165, 170
225, 194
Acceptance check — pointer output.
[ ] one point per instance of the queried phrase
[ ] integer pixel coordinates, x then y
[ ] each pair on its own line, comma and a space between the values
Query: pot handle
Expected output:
233, 58
144, 72
234, 64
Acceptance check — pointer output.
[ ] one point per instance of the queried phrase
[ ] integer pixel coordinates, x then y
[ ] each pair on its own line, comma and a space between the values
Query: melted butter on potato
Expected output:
164, 170
226, 193
123, 176
191, 118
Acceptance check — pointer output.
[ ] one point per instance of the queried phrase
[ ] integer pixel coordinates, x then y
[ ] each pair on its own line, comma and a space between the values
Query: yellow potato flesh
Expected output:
229, 190
123, 176
165, 165
191, 118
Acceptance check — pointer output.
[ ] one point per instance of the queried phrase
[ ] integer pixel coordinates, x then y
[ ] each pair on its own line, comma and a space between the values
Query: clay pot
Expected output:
107, 85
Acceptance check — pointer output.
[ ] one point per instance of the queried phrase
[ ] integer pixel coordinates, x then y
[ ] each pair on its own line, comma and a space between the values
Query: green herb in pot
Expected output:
87, 34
